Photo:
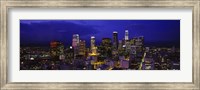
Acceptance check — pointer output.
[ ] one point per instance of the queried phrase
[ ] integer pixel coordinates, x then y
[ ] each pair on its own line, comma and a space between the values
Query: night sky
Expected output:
155, 32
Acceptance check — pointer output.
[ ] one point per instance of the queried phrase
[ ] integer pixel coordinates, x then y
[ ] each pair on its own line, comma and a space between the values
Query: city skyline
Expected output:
122, 49
63, 30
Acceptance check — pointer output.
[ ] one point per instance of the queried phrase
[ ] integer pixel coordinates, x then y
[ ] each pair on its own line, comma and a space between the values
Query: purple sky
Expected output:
41, 32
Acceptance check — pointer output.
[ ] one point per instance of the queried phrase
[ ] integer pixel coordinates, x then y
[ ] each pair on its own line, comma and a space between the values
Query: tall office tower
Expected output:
128, 46
75, 40
107, 47
56, 50
126, 35
93, 51
115, 40
106, 42
82, 48
54, 44
75, 44
69, 53
120, 45
92, 42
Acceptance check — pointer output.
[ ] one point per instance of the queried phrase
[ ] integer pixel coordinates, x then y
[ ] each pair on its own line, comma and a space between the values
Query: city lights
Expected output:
117, 50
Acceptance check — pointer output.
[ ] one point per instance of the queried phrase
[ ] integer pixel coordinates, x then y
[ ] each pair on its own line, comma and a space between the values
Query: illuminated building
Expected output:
92, 42
61, 49
132, 41
93, 48
128, 46
106, 49
106, 42
121, 48
115, 44
127, 42
54, 44
93, 51
115, 40
75, 44
87, 51
57, 50
69, 53
82, 48
126, 34
120, 45
75, 40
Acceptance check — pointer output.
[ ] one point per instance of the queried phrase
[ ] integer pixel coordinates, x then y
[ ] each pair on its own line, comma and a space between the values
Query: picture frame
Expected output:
4, 43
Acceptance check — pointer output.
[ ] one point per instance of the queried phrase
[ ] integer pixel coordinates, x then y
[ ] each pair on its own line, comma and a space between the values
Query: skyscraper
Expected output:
107, 47
56, 50
82, 49
92, 42
93, 51
75, 44
107, 42
127, 44
120, 45
75, 40
126, 35
115, 40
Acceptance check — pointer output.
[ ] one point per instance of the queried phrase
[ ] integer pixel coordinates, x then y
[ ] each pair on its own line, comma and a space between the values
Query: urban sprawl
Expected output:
111, 54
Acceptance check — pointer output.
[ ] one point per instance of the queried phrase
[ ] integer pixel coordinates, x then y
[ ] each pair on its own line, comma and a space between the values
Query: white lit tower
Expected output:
75, 40
126, 35
127, 43
75, 44
92, 42
93, 50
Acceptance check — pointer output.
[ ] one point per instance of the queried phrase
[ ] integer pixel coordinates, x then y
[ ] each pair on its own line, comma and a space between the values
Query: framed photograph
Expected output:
103, 44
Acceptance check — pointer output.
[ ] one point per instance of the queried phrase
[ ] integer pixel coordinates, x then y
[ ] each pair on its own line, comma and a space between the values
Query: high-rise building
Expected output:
82, 48
106, 42
132, 41
128, 46
106, 47
126, 35
92, 42
93, 51
115, 40
69, 53
54, 44
56, 50
120, 45
126, 41
75, 40
75, 44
